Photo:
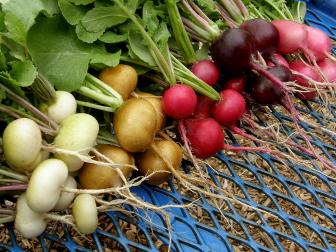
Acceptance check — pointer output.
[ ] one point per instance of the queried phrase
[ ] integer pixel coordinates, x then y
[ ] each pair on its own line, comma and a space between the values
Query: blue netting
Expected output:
307, 223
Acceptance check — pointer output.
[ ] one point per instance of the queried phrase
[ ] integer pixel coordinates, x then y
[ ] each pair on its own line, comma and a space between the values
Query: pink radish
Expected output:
230, 107
309, 71
328, 68
319, 44
292, 36
179, 101
207, 71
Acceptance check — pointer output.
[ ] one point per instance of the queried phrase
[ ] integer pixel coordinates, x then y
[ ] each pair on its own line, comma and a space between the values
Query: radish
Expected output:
296, 37
277, 59
292, 36
22, 143
230, 107
49, 177
179, 101
63, 106
328, 68
78, 133
29, 223
204, 135
207, 71
264, 92
233, 52
85, 214
66, 198
237, 84
203, 107
319, 44
265, 35
309, 71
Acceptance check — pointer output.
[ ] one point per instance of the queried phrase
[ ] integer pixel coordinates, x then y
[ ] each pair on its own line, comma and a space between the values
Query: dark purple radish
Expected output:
306, 70
233, 50
328, 68
237, 84
207, 71
203, 107
277, 59
230, 108
265, 92
264, 33
205, 136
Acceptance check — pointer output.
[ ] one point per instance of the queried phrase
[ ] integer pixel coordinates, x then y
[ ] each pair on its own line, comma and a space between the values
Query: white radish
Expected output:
29, 223
22, 142
63, 106
84, 211
44, 187
66, 198
78, 133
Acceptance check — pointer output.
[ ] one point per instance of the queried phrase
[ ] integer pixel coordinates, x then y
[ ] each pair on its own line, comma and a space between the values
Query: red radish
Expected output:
207, 71
205, 136
237, 84
203, 107
230, 107
277, 59
179, 101
328, 68
292, 36
309, 71
265, 35
319, 44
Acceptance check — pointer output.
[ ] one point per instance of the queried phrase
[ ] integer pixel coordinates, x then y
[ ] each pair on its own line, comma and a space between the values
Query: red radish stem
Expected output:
16, 187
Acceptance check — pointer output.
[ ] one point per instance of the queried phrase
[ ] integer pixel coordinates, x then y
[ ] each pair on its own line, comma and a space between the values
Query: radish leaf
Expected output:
58, 54
24, 72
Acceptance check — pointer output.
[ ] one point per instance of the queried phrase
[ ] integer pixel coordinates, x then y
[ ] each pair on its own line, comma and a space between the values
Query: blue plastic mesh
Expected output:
307, 223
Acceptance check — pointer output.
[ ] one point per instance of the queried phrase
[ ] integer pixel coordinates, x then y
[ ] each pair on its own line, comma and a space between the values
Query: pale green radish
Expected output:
66, 198
61, 107
22, 143
44, 187
84, 211
29, 223
78, 134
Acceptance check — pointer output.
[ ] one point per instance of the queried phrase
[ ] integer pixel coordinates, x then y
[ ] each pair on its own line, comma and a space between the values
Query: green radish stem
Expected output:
160, 60
101, 92
180, 34
43, 88
4, 171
